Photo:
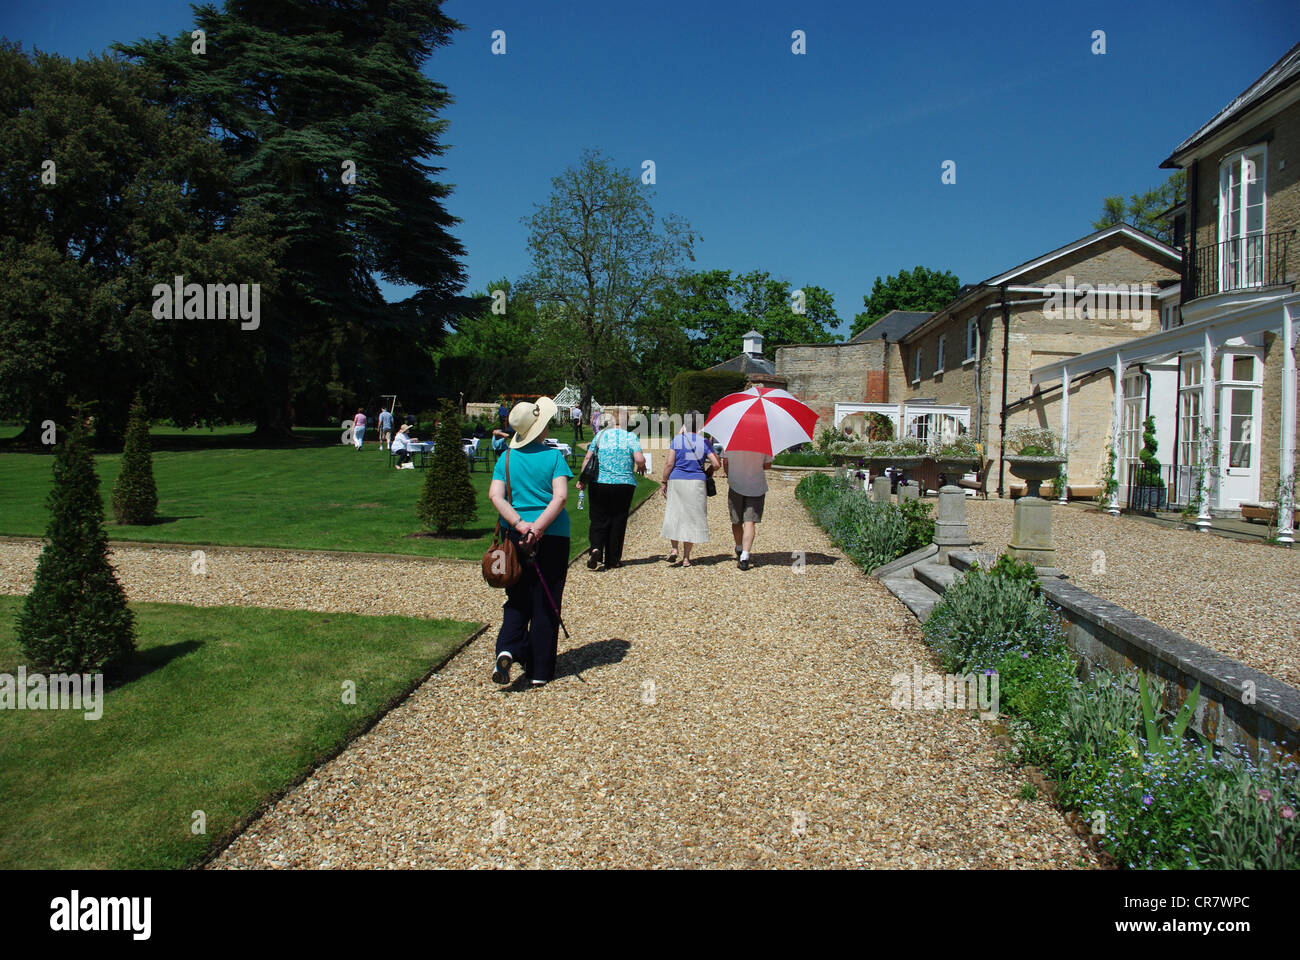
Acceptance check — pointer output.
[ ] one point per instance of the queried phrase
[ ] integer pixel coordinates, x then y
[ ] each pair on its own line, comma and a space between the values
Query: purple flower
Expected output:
1265, 795
1024, 656
1288, 813
1147, 800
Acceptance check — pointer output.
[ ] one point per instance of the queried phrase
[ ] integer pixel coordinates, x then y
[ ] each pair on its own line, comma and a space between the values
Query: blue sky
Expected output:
822, 168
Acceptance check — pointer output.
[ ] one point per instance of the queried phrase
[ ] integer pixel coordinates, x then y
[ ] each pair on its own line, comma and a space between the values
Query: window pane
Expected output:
1243, 369
1241, 429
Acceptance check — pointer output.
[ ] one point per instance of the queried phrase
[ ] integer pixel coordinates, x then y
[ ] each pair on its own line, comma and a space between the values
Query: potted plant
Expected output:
955, 456
1149, 491
1036, 457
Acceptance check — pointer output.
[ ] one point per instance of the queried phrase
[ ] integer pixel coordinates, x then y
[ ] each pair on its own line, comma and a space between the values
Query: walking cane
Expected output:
531, 557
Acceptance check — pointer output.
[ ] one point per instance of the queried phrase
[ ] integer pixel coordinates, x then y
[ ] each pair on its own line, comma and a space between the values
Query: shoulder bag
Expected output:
591, 469
501, 564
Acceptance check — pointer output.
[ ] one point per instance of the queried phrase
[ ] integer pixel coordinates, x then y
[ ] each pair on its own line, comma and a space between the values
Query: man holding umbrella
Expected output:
746, 494
755, 425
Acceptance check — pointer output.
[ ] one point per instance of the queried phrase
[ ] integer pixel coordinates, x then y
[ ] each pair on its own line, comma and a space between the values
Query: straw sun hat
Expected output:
528, 420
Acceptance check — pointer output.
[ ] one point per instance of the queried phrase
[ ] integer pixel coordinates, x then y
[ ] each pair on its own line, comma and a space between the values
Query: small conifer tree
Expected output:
447, 499
135, 495
75, 619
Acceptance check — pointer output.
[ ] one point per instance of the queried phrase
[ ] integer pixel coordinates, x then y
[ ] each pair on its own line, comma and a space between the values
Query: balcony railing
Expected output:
1245, 263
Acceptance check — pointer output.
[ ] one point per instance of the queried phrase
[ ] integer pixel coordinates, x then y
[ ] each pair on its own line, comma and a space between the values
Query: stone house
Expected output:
966, 366
1229, 334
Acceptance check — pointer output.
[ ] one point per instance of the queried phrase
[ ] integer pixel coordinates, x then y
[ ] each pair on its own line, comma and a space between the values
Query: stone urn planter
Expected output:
1034, 470
954, 470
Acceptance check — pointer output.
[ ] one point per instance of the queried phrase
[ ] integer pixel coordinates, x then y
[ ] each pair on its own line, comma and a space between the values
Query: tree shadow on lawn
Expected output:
572, 663
145, 662
155, 522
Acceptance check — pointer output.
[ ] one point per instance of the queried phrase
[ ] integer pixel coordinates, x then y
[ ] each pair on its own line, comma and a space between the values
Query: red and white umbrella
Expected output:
761, 419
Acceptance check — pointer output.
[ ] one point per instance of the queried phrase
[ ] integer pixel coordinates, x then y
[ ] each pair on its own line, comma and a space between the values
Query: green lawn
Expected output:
218, 487
227, 706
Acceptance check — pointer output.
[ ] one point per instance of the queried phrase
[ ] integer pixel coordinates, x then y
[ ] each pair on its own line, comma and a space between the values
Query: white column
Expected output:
1065, 427
1286, 465
1209, 430
1113, 507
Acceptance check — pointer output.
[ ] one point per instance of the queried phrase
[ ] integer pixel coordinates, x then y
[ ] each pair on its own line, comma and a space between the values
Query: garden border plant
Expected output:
1155, 797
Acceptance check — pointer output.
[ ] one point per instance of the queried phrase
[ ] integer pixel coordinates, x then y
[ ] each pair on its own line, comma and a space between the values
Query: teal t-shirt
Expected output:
532, 468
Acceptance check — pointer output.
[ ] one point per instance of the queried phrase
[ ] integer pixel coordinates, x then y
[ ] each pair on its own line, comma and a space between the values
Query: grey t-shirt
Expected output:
745, 472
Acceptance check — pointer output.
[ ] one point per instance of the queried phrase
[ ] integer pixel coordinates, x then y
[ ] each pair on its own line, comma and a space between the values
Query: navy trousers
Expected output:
529, 625
610, 503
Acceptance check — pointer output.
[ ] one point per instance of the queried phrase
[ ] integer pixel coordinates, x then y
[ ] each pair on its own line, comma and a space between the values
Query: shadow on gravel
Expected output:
766, 559
572, 663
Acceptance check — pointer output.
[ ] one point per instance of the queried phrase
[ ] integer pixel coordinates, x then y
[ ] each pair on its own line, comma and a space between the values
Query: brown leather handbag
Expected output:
501, 564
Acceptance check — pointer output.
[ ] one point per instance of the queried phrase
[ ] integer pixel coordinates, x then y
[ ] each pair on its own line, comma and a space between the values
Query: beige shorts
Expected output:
745, 509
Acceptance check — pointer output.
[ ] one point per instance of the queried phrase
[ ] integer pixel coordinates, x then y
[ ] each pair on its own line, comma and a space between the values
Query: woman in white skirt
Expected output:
686, 520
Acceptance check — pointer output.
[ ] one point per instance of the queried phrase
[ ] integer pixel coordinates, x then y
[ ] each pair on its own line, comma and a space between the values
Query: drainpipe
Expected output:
1006, 355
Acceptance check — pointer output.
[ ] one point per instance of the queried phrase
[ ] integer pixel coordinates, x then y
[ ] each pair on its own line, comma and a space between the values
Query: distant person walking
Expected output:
619, 459
685, 483
359, 428
536, 520
385, 429
744, 470
575, 414
502, 414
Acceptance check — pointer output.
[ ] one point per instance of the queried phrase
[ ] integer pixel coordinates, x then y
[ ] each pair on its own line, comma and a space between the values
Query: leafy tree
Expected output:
334, 130
920, 289
447, 499
1145, 211
599, 255
763, 303
76, 619
135, 495
105, 194
483, 356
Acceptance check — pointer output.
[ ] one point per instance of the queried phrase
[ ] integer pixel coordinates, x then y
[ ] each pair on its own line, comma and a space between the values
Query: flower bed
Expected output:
1154, 797
870, 533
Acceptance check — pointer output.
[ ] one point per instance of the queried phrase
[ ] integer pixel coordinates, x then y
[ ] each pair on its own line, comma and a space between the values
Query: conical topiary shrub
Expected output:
447, 499
135, 495
75, 619
1148, 487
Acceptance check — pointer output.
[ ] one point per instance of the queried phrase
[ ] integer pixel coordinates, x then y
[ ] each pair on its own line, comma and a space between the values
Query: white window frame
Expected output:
1241, 271
972, 340
916, 369
938, 363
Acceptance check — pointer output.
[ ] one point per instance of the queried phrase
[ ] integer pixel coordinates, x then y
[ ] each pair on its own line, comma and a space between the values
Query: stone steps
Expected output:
914, 594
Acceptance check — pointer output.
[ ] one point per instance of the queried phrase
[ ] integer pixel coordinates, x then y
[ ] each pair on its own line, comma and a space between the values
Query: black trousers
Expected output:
610, 503
529, 625
577, 429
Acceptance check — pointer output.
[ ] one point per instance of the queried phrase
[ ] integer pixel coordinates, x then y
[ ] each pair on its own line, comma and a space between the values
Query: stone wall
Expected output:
1270, 427
822, 374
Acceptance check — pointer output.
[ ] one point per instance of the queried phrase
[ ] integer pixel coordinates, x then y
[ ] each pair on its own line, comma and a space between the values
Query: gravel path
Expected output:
1234, 596
701, 718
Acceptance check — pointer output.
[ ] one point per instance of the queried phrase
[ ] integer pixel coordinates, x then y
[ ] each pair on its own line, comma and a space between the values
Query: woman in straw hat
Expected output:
535, 519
